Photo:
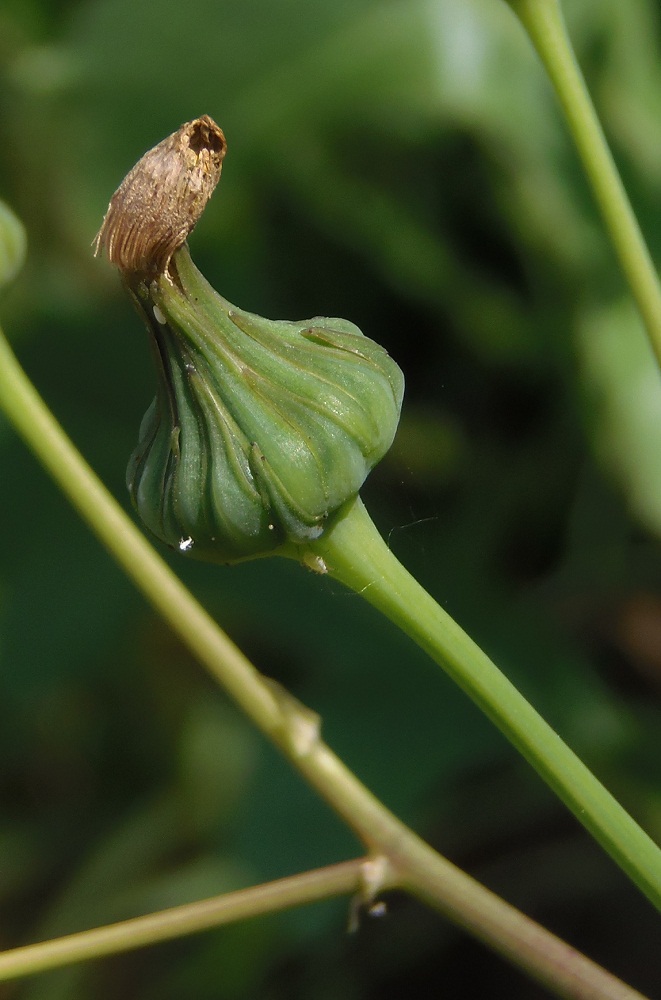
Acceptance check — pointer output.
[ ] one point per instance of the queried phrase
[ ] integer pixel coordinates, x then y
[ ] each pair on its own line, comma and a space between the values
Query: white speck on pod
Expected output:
159, 317
185, 544
315, 563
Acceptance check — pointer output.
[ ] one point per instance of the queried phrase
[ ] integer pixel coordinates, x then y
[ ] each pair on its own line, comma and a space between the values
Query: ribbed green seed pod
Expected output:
260, 429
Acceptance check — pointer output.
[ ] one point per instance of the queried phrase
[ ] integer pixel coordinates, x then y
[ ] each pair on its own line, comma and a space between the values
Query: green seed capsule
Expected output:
260, 429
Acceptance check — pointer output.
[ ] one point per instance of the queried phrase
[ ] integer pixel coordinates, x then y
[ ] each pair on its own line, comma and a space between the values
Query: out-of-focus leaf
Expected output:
13, 245
218, 755
623, 388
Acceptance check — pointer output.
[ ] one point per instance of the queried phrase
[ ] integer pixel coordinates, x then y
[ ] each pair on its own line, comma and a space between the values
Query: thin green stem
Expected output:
355, 554
178, 921
407, 860
545, 24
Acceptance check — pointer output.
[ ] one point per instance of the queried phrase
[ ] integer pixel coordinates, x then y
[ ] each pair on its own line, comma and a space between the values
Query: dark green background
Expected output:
403, 164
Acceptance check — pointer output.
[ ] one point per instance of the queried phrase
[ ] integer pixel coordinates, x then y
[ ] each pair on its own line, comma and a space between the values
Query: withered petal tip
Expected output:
161, 199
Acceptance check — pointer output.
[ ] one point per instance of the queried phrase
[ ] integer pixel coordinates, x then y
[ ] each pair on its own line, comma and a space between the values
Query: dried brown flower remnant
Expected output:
161, 199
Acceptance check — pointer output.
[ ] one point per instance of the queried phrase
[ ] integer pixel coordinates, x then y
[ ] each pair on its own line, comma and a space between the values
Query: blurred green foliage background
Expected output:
401, 163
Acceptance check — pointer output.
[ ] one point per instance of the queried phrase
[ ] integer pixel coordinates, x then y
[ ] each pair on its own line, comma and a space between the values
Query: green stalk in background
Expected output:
544, 22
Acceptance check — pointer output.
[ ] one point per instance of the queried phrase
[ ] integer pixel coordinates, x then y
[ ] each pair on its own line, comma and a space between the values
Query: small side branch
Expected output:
179, 921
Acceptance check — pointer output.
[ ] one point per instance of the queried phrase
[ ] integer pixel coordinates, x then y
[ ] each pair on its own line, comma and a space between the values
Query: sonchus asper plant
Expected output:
261, 430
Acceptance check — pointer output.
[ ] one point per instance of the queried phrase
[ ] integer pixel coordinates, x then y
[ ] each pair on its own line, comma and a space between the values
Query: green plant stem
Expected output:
544, 22
178, 921
572, 975
581, 979
355, 554
407, 860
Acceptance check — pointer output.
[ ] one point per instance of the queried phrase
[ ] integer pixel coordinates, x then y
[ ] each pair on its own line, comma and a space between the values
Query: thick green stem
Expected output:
407, 860
355, 554
545, 24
